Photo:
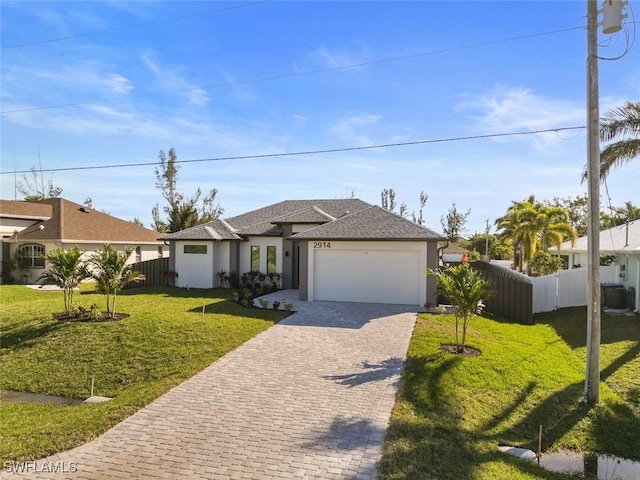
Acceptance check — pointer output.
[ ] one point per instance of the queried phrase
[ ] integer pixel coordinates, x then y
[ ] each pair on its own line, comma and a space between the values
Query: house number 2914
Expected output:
321, 244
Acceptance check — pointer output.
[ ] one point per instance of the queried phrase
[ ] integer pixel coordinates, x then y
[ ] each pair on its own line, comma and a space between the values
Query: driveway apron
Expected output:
309, 398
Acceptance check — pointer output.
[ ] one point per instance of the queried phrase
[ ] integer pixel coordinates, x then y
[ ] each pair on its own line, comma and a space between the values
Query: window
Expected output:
138, 254
271, 259
160, 255
255, 258
33, 255
195, 249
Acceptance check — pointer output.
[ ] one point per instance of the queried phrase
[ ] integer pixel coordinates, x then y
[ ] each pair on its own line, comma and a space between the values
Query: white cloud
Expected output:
39, 84
350, 129
118, 84
150, 64
299, 120
511, 109
325, 57
173, 79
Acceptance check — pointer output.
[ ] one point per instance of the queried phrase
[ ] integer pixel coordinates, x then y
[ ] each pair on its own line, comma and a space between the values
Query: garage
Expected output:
374, 272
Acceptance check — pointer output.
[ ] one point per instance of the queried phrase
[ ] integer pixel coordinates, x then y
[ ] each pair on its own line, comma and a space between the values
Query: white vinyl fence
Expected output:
566, 288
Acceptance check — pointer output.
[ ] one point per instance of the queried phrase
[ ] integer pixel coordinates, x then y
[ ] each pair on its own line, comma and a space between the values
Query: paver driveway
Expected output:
308, 398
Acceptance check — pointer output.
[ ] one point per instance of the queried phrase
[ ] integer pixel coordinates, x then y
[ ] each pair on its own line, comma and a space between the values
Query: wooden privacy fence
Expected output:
512, 293
156, 272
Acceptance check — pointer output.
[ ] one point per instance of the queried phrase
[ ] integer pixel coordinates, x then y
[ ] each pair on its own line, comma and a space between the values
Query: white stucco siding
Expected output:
263, 243
147, 252
222, 261
195, 270
376, 272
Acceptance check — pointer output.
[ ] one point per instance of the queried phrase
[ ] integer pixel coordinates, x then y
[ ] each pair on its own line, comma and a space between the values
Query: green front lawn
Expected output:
165, 340
452, 412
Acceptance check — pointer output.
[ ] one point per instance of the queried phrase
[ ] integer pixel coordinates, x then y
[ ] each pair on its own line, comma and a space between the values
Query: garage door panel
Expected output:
378, 276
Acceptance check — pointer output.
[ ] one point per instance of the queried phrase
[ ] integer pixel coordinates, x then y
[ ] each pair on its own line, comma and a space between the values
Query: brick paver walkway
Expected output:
308, 398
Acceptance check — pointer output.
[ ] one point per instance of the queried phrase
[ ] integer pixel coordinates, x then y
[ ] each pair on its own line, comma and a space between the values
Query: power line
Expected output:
126, 27
306, 152
301, 74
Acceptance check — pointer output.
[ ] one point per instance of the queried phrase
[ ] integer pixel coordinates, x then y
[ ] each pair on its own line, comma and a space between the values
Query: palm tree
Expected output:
544, 226
112, 272
621, 124
466, 289
510, 222
533, 225
66, 270
619, 216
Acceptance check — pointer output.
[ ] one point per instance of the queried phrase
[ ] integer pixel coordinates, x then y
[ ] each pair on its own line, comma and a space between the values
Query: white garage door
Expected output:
376, 276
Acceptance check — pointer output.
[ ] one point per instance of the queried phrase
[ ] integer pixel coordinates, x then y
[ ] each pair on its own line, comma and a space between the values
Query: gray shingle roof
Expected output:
308, 215
260, 222
372, 223
214, 230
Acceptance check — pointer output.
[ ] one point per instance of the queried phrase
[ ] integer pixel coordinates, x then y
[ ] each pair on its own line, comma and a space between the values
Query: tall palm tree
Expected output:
533, 225
510, 223
622, 125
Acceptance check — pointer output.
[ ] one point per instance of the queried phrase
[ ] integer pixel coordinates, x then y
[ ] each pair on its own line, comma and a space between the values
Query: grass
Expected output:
164, 341
452, 412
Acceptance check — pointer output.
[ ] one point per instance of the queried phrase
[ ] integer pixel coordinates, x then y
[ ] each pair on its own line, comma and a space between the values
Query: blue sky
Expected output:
204, 84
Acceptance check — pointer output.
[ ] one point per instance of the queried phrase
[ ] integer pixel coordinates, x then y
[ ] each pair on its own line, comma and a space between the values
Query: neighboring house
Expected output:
36, 228
452, 254
340, 250
624, 243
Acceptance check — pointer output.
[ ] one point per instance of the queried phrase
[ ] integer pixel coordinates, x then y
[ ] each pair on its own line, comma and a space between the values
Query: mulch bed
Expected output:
102, 317
467, 352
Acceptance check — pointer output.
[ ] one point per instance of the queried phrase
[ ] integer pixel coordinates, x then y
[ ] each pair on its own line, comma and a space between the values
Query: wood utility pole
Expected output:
592, 381
486, 240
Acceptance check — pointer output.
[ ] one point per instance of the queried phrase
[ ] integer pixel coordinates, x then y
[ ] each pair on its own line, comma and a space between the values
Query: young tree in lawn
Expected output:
112, 272
466, 289
66, 269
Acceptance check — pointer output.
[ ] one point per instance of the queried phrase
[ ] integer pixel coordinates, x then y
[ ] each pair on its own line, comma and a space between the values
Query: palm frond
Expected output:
617, 154
622, 121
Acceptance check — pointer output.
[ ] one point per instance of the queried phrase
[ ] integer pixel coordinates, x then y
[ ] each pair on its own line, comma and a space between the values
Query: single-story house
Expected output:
36, 228
340, 250
623, 242
452, 254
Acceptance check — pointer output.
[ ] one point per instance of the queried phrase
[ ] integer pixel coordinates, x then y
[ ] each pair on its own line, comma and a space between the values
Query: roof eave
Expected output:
365, 239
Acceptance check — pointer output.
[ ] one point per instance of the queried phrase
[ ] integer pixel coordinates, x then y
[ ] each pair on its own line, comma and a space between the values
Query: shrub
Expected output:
255, 284
543, 263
